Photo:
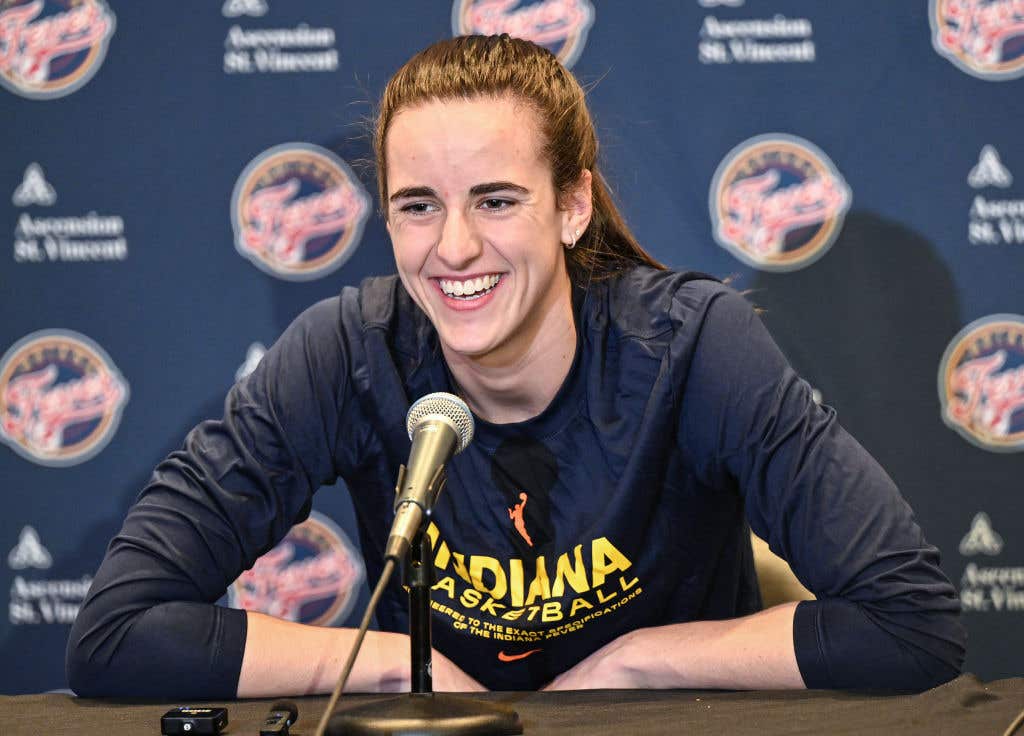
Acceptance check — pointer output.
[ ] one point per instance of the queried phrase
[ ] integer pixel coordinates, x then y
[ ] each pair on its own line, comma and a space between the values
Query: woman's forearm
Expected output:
286, 658
750, 653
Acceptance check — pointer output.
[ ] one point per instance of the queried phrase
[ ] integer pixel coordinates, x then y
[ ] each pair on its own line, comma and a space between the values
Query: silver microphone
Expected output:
440, 426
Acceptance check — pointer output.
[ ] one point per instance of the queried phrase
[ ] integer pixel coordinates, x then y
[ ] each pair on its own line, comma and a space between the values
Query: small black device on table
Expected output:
191, 720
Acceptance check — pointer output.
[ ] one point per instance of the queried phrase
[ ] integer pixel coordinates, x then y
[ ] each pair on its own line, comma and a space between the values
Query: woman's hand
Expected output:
607, 668
448, 677
288, 658
752, 652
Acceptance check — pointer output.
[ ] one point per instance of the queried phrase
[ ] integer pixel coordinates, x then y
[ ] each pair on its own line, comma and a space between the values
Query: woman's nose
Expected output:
459, 243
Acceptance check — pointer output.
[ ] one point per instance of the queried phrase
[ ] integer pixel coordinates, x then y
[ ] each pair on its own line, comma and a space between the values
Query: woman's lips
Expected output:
465, 305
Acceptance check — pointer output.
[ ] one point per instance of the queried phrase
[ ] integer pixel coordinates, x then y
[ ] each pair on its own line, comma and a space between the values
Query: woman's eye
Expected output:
418, 208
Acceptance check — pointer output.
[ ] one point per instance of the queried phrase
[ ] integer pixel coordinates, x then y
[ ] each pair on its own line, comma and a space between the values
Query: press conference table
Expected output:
964, 706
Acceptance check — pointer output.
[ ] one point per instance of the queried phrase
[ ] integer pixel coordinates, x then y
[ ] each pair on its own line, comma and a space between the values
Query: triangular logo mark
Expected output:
29, 552
253, 8
989, 171
34, 189
981, 538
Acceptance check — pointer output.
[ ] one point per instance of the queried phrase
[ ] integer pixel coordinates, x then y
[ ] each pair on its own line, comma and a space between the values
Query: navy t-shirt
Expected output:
625, 504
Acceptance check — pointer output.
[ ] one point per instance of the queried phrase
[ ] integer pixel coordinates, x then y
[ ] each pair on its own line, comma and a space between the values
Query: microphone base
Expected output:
426, 714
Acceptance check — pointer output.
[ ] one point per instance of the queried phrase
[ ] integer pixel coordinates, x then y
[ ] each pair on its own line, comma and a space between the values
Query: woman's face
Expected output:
475, 224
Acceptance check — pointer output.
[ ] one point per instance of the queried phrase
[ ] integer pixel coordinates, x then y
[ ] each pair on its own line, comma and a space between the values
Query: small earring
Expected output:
572, 245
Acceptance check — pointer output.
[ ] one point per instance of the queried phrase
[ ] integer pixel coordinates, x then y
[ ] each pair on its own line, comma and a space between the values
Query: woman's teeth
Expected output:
471, 288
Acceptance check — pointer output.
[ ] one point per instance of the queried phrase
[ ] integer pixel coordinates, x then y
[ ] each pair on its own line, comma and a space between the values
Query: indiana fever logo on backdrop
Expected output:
312, 576
560, 26
298, 211
50, 48
981, 383
984, 38
61, 398
777, 202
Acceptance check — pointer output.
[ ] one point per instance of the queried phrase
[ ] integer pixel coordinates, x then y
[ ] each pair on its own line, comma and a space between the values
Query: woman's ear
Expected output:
577, 205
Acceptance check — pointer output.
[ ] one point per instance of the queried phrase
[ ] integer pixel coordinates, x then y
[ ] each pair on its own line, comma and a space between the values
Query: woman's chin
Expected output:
467, 347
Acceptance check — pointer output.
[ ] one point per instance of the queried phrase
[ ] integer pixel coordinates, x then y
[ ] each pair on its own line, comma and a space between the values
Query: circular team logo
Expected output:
311, 576
984, 38
61, 398
50, 48
777, 202
298, 211
981, 383
561, 26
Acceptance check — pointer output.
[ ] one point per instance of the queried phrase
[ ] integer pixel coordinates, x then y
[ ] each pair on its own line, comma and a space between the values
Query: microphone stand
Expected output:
423, 712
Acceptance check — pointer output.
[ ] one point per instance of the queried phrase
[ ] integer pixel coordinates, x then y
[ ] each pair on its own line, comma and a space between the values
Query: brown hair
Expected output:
478, 66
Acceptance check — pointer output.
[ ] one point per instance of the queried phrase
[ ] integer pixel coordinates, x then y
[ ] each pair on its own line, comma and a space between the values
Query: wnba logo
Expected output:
61, 398
984, 38
981, 383
777, 202
311, 576
50, 48
560, 26
298, 211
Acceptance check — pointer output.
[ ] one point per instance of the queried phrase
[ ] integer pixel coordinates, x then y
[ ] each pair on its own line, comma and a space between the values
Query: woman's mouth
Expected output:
469, 289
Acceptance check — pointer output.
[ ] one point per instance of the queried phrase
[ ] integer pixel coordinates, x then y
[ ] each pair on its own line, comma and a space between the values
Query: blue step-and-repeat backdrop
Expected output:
178, 180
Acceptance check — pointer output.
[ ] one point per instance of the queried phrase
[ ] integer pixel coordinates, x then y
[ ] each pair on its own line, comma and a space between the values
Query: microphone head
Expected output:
445, 406
287, 705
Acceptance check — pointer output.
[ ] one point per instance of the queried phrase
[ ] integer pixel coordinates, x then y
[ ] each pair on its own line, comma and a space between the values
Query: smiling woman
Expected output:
487, 162
503, 68
478, 232
634, 424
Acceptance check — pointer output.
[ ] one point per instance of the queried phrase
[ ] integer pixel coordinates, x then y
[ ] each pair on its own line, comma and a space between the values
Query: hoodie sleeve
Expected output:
885, 616
149, 626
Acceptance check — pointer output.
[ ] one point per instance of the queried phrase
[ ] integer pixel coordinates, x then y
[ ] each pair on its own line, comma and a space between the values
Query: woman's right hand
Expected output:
284, 658
449, 677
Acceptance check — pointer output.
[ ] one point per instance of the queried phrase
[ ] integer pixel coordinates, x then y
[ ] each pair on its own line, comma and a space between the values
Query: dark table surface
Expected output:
965, 706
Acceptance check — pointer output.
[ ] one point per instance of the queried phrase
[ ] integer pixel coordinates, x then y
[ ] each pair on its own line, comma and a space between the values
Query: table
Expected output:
965, 705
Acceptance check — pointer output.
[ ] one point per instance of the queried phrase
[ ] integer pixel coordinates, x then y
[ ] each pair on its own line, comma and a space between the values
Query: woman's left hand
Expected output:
607, 668
752, 652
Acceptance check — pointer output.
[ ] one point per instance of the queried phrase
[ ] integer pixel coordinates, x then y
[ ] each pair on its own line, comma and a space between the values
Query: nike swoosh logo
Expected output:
513, 657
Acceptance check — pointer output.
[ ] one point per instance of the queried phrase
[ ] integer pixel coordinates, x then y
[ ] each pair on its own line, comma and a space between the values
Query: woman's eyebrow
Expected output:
412, 192
497, 186
475, 191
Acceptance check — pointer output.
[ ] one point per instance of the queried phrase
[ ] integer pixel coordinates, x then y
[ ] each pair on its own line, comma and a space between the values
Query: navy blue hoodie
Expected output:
625, 504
